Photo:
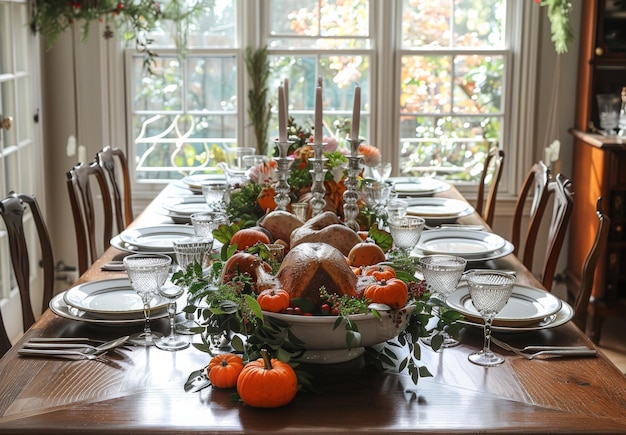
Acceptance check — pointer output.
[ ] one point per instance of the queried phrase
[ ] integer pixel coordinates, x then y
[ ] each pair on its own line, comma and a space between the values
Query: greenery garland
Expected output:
558, 13
260, 110
135, 19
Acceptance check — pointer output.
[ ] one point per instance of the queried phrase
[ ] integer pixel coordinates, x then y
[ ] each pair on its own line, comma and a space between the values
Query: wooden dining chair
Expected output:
560, 191
581, 304
534, 186
13, 210
490, 179
115, 165
89, 215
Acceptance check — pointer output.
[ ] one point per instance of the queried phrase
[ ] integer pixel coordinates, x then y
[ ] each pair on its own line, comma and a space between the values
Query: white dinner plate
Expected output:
186, 205
561, 317
420, 186
59, 307
110, 297
158, 238
463, 243
503, 252
118, 243
194, 182
439, 208
526, 306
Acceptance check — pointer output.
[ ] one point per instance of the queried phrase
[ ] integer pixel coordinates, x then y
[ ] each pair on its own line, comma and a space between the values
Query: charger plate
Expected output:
110, 297
526, 306
463, 243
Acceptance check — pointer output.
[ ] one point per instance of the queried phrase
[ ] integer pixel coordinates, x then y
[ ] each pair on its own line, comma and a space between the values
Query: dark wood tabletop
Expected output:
141, 391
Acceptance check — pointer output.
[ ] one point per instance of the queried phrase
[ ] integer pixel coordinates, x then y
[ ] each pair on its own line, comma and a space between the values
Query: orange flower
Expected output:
371, 155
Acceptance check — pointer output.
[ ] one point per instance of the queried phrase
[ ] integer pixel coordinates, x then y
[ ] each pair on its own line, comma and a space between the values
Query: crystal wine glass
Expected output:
147, 273
376, 196
205, 223
490, 291
381, 172
173, 341
188, 251
214, 193
406, 232
442, 274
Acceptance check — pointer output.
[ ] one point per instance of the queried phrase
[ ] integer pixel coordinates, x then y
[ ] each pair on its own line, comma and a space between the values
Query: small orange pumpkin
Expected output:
224, 370
393, 292
274, 300
267, 383
380, 272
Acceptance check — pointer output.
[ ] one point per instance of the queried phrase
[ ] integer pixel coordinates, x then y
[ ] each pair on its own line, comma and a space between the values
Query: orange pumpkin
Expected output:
248, 237
393, 292
224, 370
274, 300
366, 254
380, 272
266, 383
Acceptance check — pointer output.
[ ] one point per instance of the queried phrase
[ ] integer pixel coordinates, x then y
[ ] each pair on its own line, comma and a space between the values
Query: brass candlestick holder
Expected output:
318, 174
351, 195
283, 189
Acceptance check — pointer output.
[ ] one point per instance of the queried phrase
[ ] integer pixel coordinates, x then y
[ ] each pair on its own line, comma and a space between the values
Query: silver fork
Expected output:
65, 353
531, 352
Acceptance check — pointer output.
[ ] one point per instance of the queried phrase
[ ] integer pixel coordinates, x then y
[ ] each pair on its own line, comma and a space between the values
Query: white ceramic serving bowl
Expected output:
317, 332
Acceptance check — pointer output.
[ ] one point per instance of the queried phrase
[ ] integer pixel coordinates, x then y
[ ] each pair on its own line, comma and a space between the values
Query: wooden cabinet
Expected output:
599, 167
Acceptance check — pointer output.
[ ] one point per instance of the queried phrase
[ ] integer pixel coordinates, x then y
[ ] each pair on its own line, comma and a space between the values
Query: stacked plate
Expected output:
194, 182
418, 186
528, 309
180, 208
111, 302
472, 245
438, 210
156, 239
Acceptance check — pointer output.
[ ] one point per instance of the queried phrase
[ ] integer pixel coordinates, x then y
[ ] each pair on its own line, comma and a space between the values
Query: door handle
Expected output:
5, 122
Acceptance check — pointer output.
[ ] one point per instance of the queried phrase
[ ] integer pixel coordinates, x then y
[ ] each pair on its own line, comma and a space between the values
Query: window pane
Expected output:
161, 90
426, 84
478, 83
212, 83
448, 23
324, 24
216, 28
340, 75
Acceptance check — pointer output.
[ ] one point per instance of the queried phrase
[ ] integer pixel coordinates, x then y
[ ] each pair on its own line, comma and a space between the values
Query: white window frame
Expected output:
521, 34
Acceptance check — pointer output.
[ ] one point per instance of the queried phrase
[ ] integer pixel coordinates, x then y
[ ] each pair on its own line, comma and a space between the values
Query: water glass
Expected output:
205, 223
188, 251
236, 156
147, 273
490, 291
381, 172
608, 111
376, 196
442, 274
301, 210
214, 193
173, 342
406, 232
396, 209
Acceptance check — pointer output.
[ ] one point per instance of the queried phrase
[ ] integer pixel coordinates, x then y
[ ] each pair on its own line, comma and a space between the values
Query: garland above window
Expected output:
558, 13
133, 18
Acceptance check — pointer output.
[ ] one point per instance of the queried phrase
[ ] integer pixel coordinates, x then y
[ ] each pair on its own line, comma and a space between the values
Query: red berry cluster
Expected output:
416, 289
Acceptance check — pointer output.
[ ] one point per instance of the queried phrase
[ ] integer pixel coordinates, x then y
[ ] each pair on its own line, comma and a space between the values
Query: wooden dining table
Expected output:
141, 390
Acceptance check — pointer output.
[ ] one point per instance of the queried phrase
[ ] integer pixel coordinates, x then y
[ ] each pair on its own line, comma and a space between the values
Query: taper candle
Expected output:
282, 126
286, 86
356, 113
318, 115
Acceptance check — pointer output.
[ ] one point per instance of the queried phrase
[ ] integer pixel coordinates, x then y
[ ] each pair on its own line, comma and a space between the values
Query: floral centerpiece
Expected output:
255, 199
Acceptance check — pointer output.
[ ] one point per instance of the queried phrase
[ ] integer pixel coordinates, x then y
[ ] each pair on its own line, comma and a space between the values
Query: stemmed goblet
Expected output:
490, 291
215, 193
172, 342
442, 274
147, 273
377, 195
188, 251
406, 232
205, 223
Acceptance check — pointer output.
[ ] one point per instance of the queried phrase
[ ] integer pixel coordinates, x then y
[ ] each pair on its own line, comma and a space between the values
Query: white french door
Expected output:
21, 151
